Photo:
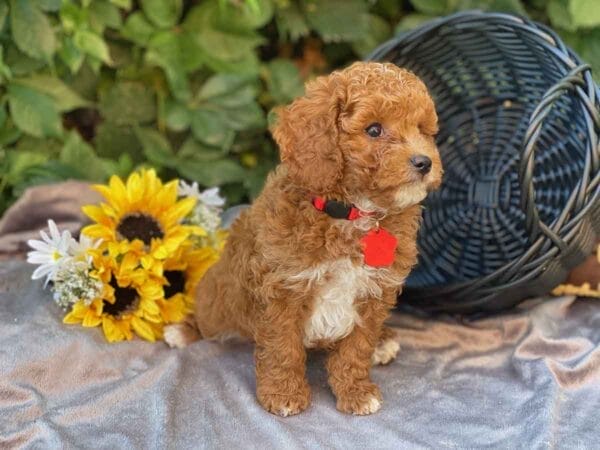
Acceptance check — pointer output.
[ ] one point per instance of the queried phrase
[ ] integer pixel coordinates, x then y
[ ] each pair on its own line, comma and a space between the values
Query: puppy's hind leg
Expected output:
180, 335
387, 347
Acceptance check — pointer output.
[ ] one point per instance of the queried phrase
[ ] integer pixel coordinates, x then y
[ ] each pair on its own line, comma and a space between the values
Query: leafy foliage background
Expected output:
89, 88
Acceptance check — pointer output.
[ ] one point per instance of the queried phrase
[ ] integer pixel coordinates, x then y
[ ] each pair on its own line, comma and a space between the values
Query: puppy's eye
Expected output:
374, 130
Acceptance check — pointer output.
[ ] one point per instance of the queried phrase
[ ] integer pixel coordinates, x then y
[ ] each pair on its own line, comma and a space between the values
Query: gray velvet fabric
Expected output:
527, 380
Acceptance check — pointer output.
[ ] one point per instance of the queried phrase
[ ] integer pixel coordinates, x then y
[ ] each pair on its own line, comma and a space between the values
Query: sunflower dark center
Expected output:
176, 279
139, 226
125, 300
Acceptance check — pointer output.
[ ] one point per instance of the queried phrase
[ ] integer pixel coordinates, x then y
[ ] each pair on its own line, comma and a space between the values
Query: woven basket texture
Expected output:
519, 122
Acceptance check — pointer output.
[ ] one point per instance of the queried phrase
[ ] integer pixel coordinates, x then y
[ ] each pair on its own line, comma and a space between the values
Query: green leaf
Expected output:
156, 147
18, 162
104, 14
559, 15
255, 180
378, 32
137, 29
338, 20
388, 9
71, 55
3, 116
125, 4
162, 13
212, 173
245, 117
283, 80
412, 21
168, 51
45, 173
81, 156
512, 6
5, 72
19, 63
128, 103
9, 134
121, 167
93, 45
85, 82
585, 13
587, 45
242, 16
220, 44
247, 65
431, 7
112, 141
177, 116
48, 5
228, 90
31, 30
73, 17
211, 127
33, 112
65, 99
3, 14
48, 146
194, 150
538, 4
291, 23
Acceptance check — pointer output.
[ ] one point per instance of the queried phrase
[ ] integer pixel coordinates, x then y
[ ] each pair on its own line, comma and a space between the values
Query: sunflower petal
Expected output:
111, 331
142, 329
72, 318
125, 327
97, 214
99, 231
91, 320
150, 307
180, 209
135, 188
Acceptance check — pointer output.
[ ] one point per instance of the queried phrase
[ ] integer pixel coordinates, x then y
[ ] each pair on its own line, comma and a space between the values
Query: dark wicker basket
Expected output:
519, 121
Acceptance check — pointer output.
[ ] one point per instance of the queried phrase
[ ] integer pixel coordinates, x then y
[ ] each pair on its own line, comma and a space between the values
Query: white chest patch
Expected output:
339, 284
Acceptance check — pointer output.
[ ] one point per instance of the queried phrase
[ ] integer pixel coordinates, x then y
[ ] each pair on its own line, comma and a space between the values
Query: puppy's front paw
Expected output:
361, 400
285, 404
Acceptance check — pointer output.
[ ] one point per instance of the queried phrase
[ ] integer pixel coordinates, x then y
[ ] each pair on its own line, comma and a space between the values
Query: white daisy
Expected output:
210, 197
188, 190
51, 253
79, 248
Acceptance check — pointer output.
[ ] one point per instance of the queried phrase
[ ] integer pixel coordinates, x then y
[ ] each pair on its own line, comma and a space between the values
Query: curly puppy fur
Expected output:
293, 278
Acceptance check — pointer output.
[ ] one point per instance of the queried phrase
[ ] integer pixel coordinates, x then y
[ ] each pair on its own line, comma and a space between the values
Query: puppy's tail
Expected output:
180, 335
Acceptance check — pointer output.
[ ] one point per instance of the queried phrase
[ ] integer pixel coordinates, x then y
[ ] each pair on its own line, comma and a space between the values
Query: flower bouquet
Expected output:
135, 267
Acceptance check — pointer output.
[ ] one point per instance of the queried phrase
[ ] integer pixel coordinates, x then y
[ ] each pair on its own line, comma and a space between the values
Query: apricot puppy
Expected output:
319, 258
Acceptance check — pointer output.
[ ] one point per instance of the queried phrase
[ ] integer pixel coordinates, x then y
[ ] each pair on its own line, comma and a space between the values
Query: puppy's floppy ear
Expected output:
307, 133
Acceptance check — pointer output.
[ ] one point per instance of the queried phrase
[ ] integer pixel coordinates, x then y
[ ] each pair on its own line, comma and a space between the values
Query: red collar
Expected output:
338, 210
378, 246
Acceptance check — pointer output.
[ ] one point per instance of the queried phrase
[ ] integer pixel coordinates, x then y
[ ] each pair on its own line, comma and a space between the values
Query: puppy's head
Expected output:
365, 132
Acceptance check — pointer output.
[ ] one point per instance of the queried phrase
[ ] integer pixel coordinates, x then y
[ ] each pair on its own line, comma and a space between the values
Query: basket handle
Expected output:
572, 81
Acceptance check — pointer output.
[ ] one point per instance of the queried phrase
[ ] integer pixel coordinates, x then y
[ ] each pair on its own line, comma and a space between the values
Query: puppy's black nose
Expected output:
422, 163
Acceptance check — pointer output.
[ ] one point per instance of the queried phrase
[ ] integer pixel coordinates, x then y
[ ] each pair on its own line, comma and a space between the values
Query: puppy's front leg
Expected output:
280, 359
349, 362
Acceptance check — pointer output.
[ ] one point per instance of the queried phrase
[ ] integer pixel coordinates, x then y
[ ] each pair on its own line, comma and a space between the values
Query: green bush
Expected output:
89, 88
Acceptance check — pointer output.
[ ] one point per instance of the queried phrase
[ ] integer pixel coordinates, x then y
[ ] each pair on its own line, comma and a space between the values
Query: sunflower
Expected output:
124, 306
182, 273
142, 216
